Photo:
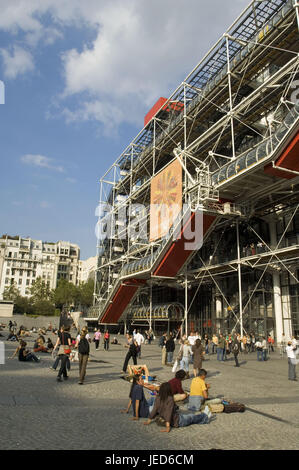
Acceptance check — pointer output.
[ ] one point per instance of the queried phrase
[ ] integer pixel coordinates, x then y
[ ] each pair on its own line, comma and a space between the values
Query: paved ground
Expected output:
36, 412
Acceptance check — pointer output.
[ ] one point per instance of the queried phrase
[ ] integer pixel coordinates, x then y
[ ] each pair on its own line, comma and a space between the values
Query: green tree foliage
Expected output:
65, 294
11, 293
23, 305
86, 293
39, 291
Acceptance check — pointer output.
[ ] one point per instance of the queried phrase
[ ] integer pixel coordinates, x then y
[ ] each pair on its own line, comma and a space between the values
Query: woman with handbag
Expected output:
64, 342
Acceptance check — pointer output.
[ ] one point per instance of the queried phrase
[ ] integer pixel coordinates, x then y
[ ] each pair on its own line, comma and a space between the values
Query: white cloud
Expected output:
16, 63
71, 180
45, 205
41, 161
141, 49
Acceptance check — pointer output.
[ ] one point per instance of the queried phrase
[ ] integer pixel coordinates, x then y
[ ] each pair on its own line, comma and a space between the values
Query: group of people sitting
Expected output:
163, 403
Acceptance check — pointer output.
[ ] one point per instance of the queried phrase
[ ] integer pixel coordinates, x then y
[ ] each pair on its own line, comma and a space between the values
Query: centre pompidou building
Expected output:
224, 146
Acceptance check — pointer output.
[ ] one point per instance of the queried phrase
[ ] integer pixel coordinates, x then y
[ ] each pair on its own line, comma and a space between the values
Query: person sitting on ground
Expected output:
176, 386
198, 391
114, 341
12, 337
141, 407
39, 346
166, 408
50, 345
24, 355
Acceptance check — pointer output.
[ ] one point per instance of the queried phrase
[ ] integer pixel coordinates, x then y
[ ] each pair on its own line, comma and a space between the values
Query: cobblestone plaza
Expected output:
39, 413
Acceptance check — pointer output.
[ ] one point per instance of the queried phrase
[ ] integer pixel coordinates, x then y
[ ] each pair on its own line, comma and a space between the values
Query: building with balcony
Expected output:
23, 260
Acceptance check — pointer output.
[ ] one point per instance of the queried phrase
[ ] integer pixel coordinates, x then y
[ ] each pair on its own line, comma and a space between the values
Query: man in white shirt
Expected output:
290, 350
191, 339
139, 338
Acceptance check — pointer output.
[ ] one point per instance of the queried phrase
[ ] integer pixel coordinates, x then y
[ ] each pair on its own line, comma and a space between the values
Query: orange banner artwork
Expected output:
166, 200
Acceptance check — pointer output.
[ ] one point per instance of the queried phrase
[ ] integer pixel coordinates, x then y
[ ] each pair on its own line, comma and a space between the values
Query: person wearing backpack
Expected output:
83, 349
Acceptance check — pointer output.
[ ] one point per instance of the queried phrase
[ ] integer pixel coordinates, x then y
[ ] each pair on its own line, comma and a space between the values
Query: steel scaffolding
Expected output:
227, 123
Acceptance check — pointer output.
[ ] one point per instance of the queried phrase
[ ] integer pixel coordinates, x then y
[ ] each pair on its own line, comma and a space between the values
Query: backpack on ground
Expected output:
234, 408
83, 346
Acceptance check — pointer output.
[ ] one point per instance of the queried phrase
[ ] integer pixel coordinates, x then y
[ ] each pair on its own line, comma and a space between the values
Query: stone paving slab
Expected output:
38, 413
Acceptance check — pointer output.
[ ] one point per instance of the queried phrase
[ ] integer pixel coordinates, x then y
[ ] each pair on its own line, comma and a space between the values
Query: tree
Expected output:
11, 293
44, 307
65, 294
86, 293
39, 291
23, 305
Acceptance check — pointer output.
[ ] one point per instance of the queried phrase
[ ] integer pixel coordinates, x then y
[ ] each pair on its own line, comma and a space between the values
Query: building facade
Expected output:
87, 269
23, 260
224, 147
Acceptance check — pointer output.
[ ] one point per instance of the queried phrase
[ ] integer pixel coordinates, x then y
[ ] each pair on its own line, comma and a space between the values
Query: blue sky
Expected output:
79, 78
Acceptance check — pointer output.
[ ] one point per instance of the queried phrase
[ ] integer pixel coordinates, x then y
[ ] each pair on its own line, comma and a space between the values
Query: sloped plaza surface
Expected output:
39, 413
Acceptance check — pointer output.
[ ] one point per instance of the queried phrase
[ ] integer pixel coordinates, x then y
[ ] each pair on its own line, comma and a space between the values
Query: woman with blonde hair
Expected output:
186, 353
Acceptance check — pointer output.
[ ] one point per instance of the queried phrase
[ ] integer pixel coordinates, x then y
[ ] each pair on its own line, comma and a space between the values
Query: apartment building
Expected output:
23, 260
87, 269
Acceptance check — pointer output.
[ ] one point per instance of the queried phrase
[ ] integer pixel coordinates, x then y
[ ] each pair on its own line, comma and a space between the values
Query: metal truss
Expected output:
235, 100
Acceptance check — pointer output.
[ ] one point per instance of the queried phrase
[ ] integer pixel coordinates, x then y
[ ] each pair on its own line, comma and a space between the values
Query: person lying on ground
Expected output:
176, 386
141, 407
198, 391
24, 355
166, 409
139, 370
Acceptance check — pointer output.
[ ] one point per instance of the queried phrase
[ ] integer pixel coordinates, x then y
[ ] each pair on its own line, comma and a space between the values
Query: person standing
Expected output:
290, 350
97, 337
64, 343
106, 340
139, 338
214, 343
83, 350
186, 354
221, 348
198, 354
191, 340
162, 344
264, 348
235, 351
283, 345
132, 353
259, 350
170, 348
